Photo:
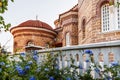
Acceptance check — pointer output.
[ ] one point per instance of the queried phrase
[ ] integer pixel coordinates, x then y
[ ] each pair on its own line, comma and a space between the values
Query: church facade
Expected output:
90, 21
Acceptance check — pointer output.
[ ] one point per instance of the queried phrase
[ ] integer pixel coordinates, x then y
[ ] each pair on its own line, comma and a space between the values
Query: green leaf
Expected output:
12, 0
1, 18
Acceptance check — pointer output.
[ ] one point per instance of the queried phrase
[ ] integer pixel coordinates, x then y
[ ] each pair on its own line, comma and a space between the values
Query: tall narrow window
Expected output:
83, 28
118, 14
105, 17
67, 39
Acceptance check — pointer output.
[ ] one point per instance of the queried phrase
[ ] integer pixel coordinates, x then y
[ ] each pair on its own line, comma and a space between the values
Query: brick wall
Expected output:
90, 10
38, 37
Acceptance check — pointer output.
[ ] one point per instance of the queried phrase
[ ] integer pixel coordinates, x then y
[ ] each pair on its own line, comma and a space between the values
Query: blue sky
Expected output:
23, 10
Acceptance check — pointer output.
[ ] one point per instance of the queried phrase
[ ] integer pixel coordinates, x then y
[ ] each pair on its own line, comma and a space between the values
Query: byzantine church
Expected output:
89, 21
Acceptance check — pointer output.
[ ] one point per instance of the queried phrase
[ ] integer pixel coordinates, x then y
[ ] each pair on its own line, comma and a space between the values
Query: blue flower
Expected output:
35, 52
97, 70
22, 54
87, 61
80, 66
114, 63
68, 78
2, 63
46, 69
108, 78
51, 78
32, 78
30, 62
27, 67
20, 70
88, 52
35, 57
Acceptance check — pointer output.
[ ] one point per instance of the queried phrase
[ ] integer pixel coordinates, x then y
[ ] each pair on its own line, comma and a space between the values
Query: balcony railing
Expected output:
101, 54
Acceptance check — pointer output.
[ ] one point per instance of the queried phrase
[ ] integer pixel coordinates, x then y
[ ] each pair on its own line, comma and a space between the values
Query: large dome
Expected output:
32, 31
35, 23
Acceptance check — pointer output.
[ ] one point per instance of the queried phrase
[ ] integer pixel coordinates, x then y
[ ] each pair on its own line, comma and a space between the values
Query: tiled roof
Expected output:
35, 23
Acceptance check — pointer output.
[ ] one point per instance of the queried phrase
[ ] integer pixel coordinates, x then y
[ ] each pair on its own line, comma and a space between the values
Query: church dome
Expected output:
35, 23
32, 31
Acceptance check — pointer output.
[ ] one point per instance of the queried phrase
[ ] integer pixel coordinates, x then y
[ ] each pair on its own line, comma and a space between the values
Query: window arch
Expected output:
118, 14
67, 38
83, 28
110, 16
30, 43
105, 17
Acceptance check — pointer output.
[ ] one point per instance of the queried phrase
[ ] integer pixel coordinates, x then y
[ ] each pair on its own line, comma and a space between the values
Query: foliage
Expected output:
3, 8
26, 66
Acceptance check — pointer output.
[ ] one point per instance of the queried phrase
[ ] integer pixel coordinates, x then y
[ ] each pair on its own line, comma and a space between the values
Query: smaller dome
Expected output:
35, 23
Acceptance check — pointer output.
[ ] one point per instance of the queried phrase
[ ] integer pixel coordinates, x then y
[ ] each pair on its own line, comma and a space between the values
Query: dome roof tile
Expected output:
35, 23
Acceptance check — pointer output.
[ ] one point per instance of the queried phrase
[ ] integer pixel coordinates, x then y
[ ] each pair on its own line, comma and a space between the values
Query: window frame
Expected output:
67, 39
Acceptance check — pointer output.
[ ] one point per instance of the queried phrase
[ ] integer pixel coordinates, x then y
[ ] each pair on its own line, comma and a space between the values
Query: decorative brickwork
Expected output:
82, 22
36, 31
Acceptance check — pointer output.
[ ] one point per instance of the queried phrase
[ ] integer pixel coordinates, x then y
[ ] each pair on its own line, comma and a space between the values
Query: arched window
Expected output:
83, 28
110, 15
30, 43
67, 37
105, 17
118, 14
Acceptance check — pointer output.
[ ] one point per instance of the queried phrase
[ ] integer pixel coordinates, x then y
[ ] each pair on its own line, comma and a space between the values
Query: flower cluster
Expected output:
27, 68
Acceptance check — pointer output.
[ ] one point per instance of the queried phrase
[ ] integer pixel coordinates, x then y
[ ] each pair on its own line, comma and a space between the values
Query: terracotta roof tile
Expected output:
35, 23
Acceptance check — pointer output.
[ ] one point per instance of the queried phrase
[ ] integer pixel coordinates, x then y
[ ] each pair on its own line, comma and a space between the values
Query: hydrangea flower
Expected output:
2, 63
35, 57
114, 63
88, 52
108, 78
30, 62
32, 78
22, 54
27, 67
87, 61
51, 78
97, 70
80, 67
68, 78
20, 70
35, 52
